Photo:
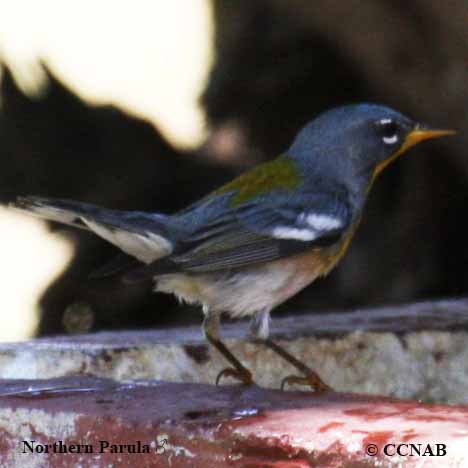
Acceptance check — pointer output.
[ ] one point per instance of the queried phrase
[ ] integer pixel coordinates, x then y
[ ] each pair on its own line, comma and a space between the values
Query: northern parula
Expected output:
258, 240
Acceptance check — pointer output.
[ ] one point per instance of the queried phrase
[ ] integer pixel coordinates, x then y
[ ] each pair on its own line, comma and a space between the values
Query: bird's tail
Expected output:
146, 236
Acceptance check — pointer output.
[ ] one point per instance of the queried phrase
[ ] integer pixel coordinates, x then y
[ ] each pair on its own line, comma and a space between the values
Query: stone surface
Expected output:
406, 351
193, 425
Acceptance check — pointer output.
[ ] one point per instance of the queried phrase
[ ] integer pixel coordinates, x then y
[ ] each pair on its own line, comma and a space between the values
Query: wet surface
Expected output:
221, 426
58, 387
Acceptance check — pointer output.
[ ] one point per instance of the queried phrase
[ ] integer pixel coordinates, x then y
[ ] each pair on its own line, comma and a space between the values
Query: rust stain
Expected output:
426, 418
378, 438
330, 425
409, 434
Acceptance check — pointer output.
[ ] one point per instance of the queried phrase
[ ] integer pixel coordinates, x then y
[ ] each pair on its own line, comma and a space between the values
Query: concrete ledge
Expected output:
95, 422
407, 351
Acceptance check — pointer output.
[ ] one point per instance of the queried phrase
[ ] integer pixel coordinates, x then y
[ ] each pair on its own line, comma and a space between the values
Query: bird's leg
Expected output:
211, 332
310, 377
259, 330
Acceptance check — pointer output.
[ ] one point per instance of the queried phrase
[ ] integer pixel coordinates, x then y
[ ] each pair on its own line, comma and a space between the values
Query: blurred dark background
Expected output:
277, 64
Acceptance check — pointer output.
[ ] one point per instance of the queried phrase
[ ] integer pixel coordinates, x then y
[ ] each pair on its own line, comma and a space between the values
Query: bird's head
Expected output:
358, 140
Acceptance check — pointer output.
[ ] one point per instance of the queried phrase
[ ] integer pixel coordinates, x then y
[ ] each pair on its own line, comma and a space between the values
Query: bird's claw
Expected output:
244, 375
311, 379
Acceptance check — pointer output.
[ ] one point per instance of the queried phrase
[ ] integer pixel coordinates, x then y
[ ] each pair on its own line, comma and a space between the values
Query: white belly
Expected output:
247, 291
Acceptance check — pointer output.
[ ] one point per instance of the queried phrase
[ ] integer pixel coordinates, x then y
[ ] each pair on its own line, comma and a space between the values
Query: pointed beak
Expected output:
421, 133
418, 134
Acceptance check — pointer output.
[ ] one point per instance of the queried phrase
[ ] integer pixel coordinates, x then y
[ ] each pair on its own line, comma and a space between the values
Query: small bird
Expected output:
256, 241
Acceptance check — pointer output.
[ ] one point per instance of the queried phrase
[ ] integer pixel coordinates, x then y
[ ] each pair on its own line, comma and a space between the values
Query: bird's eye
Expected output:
388, 130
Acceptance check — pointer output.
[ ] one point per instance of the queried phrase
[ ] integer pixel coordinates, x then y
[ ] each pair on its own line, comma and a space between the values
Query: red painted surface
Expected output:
207, 426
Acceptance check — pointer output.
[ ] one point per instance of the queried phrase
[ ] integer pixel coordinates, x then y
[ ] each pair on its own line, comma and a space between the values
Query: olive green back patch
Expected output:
280, 173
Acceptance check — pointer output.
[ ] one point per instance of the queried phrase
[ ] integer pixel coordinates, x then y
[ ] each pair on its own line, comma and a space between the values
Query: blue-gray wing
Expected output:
256, 232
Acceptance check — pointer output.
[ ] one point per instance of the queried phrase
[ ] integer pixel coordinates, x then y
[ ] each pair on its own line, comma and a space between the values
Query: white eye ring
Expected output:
390, 140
